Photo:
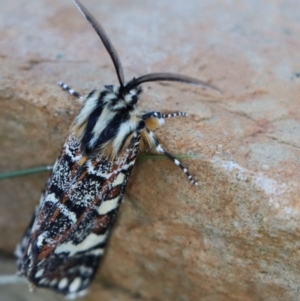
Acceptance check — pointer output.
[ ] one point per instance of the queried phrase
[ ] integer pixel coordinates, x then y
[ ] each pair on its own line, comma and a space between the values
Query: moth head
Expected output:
118, 97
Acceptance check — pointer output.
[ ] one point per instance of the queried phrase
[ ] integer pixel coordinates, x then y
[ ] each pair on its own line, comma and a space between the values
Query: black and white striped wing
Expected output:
73, 222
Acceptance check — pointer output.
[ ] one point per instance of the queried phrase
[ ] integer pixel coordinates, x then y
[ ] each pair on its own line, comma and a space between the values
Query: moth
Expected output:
63, 245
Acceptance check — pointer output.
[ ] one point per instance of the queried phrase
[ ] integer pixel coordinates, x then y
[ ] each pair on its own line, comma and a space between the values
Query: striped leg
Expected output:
65, 87
160, 149
159, 115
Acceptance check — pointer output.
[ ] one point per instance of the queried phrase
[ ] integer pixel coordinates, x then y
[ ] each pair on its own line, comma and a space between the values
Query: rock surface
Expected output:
236, 236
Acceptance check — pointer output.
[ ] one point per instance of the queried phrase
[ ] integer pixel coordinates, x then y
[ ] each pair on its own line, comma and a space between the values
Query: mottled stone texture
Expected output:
236, 236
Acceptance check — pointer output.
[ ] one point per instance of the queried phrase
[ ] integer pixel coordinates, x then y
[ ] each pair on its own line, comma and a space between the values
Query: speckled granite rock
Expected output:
236, 236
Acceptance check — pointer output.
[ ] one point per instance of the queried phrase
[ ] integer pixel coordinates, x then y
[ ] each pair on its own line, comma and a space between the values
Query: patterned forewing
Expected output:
62, 173
20, 252
75, 217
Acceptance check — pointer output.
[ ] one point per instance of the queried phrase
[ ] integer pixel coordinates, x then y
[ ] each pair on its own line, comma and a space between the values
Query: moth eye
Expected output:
134, 99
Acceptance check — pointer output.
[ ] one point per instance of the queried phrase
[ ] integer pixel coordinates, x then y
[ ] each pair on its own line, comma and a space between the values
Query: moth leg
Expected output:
65, 87
159, 115
160, 149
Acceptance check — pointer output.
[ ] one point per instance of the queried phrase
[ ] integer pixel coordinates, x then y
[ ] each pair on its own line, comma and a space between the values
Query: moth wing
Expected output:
22, 245
72, 226
68, 160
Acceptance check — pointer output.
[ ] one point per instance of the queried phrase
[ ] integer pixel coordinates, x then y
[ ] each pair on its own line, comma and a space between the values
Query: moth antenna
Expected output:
105, 40
165, 76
